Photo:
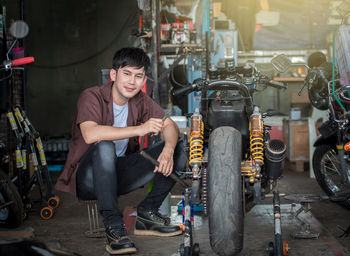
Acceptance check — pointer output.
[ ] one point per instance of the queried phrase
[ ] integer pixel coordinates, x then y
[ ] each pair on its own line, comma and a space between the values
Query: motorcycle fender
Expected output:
328, 141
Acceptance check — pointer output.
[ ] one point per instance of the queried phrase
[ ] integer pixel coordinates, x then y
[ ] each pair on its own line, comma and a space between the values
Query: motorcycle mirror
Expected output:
19, 29
281, 63
343, 8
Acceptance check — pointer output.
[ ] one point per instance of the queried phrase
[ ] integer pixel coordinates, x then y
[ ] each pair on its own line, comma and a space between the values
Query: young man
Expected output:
102, 162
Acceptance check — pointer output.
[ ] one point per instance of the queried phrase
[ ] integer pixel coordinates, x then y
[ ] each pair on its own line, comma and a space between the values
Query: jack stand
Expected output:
187, 248
280, 247
305, 232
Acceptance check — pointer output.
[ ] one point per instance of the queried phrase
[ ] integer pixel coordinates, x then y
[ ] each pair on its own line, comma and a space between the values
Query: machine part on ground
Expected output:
326, 167
225, 191
277, 224
11, 206
187, 248
275, 154
305, 201
278, 247
346, 232
256, 138
305, 231
285, 248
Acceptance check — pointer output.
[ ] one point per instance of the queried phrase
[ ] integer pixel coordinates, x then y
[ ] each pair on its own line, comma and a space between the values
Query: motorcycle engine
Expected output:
317, 80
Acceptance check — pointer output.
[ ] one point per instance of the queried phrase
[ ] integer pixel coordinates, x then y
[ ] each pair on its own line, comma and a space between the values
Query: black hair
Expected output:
131, 56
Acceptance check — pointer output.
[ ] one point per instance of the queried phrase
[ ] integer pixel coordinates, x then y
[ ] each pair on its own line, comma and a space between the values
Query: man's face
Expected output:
128, 81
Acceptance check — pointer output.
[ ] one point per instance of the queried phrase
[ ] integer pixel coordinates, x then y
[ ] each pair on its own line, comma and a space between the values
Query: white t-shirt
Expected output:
120, 114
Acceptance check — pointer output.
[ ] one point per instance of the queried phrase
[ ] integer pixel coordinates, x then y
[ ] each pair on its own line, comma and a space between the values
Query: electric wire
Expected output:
112, 42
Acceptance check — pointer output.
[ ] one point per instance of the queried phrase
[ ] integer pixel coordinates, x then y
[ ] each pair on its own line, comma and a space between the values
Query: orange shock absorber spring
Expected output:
196, 140
256, 137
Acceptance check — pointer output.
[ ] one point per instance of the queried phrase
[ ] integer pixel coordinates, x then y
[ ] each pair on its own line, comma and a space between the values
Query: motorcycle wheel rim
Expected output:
330, 169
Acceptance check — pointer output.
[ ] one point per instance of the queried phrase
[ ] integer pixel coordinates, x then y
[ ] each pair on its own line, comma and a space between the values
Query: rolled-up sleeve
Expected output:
88, 108
151, 109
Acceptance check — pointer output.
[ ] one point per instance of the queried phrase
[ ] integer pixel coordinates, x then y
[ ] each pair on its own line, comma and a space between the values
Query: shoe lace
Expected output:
118, 232
159, 217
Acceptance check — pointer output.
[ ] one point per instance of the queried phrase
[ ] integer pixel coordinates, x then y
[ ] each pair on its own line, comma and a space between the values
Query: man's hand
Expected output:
153, 125
166, 162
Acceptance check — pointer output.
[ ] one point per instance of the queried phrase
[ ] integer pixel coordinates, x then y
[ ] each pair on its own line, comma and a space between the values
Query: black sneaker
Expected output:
118, 242
151, 223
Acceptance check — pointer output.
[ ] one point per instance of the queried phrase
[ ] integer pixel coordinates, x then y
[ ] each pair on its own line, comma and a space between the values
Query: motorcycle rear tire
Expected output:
11, 216
318, 155
225, 191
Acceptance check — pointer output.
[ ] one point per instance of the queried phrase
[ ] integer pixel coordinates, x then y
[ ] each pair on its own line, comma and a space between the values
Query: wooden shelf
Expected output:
289, 79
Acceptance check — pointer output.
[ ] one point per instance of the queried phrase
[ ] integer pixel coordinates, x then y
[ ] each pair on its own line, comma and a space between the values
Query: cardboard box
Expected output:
296, 138
302, 99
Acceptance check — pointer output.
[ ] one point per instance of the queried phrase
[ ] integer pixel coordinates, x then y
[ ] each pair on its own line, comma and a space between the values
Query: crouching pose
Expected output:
103, 161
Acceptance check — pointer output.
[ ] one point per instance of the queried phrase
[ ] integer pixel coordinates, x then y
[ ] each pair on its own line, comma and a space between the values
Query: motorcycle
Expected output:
232, 161
331, 158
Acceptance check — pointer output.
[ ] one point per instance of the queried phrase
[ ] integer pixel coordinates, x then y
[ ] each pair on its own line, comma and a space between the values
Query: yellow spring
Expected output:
196, 147
257, 148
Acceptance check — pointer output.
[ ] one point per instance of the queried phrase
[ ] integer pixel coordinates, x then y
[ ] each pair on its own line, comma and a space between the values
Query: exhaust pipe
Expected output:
275, 155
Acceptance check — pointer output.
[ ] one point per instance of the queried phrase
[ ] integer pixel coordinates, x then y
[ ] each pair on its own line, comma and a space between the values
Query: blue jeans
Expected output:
103, 176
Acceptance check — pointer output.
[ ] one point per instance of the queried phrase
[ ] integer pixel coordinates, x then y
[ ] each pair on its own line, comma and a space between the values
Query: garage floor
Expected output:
66, 229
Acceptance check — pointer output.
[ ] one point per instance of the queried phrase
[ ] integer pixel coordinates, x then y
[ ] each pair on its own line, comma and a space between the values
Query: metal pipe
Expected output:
277, 221
156, 163
96, 214
89, 216
155, 48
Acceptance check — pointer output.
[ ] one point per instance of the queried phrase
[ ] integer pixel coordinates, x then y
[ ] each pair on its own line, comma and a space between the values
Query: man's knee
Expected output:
105, 147
104, 157
104, 151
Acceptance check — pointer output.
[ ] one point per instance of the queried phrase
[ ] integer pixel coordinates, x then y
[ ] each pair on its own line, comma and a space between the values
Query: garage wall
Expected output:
71, 42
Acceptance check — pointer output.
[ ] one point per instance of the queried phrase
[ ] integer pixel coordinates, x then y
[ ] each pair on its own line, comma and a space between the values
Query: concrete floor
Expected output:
66, 229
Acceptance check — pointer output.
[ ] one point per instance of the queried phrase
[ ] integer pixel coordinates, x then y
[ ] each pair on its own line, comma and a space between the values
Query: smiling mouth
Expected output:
128, 89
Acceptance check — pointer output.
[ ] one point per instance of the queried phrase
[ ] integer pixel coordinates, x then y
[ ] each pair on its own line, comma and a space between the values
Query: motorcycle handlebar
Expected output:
184, 90
22, 61
278, 85
241, 86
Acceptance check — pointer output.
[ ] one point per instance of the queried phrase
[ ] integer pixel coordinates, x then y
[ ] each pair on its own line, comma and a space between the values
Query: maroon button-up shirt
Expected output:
96, 104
